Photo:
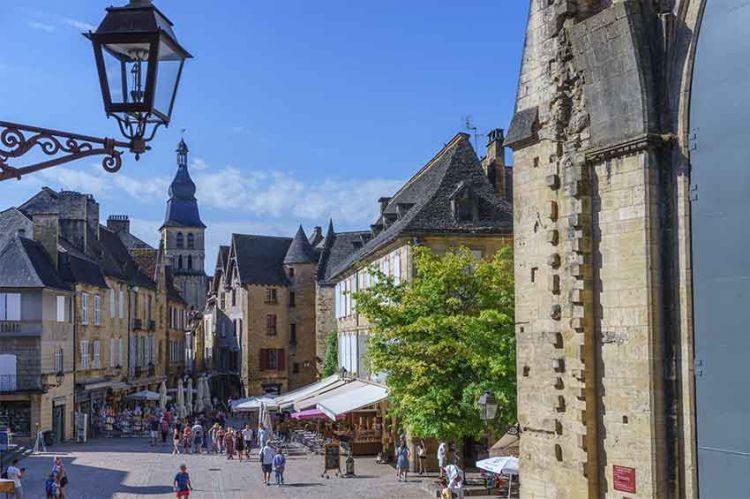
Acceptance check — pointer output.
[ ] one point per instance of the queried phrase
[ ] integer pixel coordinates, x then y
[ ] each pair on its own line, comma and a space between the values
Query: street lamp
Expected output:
139, 62
487, 407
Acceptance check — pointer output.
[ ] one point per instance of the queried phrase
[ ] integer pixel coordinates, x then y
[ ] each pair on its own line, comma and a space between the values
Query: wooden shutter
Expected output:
280, 359
263, 359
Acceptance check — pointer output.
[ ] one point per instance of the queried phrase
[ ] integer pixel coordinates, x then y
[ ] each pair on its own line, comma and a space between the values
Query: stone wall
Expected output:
325, 318
597, 239
302, 353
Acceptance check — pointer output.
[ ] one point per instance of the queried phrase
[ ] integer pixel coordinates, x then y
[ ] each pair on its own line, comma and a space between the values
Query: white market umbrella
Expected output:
144, 395
506, 465
180, 399
267, 418
254, 404
199, 396
163, 396
189, 404
206, 393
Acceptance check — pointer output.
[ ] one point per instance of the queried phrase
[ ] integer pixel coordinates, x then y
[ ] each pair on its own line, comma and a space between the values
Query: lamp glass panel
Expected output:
127, 70
170, 64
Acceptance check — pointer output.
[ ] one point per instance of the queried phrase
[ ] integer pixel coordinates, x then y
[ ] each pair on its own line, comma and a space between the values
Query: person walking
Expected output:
197, 443
247, 436
51, 487
164, 430
263, 435
176, 437
421, 456
266, 456
182, 484
240, 442
441, 455
16, 474
187, 438
229, 442
279, 463
402, 460
153, 430
220, 434
58, 469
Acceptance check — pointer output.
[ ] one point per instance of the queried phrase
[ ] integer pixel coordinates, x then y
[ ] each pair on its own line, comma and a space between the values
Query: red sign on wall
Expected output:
623, 478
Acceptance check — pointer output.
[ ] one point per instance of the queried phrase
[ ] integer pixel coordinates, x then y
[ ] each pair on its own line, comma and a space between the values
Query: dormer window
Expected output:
180, 240
464, 204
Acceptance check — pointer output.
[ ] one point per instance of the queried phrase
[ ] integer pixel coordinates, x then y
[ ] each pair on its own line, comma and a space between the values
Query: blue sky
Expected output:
295, 111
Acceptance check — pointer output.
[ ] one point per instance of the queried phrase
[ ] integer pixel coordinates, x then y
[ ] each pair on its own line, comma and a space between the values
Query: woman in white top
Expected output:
441, 455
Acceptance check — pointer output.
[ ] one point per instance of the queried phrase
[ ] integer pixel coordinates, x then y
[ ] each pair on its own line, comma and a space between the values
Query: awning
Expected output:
309, 414
253, 404
144, 395
312, 400
356, 395
100, 385
286, 400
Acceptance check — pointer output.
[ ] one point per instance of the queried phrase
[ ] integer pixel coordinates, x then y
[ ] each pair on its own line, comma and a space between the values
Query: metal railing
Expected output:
137, 324
10, 383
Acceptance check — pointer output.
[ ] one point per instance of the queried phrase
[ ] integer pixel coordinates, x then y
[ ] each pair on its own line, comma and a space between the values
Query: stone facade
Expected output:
599, 139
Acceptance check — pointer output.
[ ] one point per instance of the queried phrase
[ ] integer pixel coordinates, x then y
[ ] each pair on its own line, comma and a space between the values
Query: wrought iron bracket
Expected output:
17, 140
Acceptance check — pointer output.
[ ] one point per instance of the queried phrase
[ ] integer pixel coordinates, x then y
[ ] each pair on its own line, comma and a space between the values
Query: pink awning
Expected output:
311, 414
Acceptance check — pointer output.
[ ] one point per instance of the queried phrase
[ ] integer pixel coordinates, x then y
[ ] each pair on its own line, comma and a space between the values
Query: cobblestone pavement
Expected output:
130, 468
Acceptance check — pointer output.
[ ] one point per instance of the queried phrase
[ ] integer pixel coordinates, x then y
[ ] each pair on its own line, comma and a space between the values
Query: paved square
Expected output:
130, 468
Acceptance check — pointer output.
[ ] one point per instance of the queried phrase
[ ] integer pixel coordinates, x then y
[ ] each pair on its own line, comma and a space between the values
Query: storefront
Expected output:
16, 415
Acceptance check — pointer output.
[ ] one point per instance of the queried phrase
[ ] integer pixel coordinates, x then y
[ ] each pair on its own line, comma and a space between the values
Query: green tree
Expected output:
444, 338
331, 361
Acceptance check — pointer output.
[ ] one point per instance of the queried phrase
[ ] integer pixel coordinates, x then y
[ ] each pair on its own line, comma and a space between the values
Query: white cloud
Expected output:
146, 230
88, 180
41, 26
198, 164
79, 25
148, 191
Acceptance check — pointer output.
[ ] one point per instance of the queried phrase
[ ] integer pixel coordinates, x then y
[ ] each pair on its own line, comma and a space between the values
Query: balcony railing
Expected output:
20, 327
10, 383
137, 324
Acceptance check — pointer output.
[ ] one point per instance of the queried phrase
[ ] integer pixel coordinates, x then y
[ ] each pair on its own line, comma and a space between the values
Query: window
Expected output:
58, 360
295, 368
97, 310
396, 268
272, 359
292, 334
122, 304
112, 308
97, 354
271, 325
10, 306
179, 262
271, 295
291, 272
119, 352
111, 352
85, 309
149, 299
292, 299
84, 354
223, 300
190, 262
180, 240
191, 241
234, 297
60, 308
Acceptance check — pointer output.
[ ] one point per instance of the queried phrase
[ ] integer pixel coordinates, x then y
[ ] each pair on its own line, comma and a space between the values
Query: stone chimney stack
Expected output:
384, 203
46, 232
118, 223
494, 162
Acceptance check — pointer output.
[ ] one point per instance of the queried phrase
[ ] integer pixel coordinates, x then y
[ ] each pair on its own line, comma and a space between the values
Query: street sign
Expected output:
623, 478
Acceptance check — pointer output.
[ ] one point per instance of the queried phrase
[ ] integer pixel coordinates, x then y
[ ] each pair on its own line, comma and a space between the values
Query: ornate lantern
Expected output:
139, 62
487, 407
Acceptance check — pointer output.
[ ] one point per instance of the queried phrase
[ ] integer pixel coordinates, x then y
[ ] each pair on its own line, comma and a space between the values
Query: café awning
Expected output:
286, 400
310, 401
356, 395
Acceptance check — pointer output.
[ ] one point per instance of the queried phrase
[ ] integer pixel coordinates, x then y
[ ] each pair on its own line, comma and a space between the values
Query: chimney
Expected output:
316, 236
494, 162
46, 232
119, 223
384, 203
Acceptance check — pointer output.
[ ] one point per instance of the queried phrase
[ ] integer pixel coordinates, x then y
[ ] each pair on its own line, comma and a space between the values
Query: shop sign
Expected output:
623, 478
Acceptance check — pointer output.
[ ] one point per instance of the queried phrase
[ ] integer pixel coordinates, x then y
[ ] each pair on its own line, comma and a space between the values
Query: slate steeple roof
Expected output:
182, 207
300, 251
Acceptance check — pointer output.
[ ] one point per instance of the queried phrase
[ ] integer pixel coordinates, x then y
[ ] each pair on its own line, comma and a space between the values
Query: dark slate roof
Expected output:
221, 267
172, 292
341, 245
423, 205
300, 251
12, 221
182, 207
260, 259
132, 242
25, 264
42, 201
76, 267
123, 258
145, 262
523, 127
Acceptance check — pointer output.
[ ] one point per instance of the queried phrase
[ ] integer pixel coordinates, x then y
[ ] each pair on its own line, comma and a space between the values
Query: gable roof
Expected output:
340, 247
25, 264
300, 251
423, 204
260, 259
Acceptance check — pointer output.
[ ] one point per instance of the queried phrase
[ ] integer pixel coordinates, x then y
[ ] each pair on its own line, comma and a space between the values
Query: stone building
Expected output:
600, 140
450, 202
260, 320
183, 235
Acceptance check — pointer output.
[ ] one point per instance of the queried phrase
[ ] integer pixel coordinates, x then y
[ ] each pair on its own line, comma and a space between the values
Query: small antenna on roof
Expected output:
470, 127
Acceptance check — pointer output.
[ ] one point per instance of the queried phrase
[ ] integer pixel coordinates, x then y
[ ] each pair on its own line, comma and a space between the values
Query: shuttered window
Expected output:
111, 352
97, 310
97, 354
271, 325
84, 308
272, 359
84, 354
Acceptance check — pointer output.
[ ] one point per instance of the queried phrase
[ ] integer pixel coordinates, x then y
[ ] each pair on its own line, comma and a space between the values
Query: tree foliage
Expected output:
331, 361
443, 338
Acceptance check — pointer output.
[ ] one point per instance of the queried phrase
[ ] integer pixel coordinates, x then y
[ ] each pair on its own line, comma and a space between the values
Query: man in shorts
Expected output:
266, 462
182, 485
